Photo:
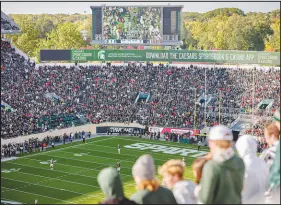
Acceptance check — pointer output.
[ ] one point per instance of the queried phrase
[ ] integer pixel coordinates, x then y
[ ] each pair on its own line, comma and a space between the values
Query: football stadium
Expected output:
140, 104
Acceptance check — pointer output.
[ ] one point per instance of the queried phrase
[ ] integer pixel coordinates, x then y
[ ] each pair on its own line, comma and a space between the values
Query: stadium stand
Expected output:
40, 98
8, 25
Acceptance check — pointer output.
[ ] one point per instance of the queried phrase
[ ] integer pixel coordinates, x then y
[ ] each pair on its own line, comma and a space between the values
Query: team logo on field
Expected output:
81, 154
166, 149
47, 162
10, 170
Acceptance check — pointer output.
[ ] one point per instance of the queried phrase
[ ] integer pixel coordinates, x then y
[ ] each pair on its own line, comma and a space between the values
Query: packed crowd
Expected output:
108, 93
37, 145
221, 177
6, 24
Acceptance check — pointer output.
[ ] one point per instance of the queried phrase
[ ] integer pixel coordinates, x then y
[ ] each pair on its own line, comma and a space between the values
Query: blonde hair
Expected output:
150, 185
172, 167
272, 129
197, 167
223, 144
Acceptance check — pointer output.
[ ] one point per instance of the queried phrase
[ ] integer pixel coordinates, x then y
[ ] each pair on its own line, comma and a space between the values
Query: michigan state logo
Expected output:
10, 170
47, 162
101, 55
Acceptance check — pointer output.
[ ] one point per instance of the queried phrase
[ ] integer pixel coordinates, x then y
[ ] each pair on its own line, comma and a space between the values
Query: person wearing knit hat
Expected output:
183, 190
111, 185
223, 175
149, 189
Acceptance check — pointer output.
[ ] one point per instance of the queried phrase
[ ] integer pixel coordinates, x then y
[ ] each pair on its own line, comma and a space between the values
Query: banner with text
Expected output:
180, 131
231, 57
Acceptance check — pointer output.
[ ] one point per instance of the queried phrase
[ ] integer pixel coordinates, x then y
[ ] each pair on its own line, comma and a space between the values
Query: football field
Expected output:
76, 166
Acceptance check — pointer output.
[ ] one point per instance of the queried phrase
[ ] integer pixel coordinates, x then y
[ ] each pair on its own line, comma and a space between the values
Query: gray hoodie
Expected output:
184, 192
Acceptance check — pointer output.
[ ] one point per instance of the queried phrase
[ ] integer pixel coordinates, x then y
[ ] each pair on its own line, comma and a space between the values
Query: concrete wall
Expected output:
87, 128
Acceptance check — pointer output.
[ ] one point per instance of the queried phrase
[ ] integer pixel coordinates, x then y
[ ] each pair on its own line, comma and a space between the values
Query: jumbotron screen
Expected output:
135, 24
132, 24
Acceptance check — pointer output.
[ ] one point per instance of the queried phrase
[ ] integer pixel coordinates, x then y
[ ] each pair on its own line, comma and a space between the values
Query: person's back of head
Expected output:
149, 189
257, 172
110, 183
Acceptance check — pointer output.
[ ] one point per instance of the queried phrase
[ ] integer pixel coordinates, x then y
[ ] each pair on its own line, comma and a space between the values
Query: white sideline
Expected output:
38, 195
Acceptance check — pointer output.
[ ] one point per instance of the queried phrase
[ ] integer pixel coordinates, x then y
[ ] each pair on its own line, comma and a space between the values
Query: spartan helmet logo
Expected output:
101, 55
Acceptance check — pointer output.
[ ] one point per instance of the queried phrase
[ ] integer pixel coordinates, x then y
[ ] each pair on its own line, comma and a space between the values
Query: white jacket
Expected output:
184, 192
256, 172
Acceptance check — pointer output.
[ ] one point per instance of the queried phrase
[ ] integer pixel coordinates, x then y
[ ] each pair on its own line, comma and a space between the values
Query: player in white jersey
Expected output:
52, 164
183, 162
118, 167
119, 148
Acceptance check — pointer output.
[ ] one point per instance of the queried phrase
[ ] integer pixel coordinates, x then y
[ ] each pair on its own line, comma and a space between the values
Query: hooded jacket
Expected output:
222, 179
256, 170
184, 192
111, 185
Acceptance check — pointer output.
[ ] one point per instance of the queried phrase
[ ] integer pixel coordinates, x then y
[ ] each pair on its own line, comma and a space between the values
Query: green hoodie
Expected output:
110, 183
222, 182
160, 196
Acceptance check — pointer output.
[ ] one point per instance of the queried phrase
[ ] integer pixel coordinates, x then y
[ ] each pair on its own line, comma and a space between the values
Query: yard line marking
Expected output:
122, 160
107, 138
10, 200
93, 162
39, 195
37, 184
53, 170
57, 178
97, 169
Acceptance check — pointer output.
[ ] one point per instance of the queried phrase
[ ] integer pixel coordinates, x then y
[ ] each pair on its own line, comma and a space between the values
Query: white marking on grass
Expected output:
37, 184
39, 195
57, 178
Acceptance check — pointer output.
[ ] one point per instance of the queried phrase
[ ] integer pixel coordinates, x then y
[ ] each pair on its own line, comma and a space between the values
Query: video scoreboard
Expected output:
136, 25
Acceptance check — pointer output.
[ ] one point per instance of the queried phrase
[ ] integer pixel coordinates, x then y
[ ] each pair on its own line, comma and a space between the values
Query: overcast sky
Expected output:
80, 7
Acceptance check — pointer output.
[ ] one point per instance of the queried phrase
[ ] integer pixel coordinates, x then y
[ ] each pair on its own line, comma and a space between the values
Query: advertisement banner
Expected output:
174, 130
118, 129
180, 131
199, 56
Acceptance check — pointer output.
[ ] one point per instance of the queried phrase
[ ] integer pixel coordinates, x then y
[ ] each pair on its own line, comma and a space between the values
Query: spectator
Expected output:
149, 189
223, 174
256, 171
183, 190
273, 194
272, 134
110, 183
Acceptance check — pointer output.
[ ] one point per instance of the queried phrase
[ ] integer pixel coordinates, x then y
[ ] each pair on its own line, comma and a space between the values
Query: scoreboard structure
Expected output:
136, 25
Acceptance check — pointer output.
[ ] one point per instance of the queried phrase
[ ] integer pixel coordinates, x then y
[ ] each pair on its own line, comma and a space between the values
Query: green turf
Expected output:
73, 179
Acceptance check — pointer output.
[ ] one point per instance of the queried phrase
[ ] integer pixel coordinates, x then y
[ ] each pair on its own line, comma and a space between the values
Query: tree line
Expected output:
221, 29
